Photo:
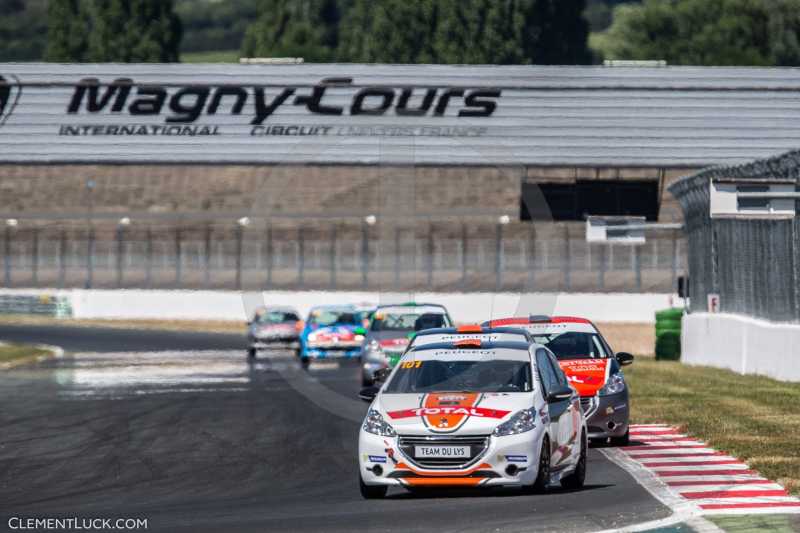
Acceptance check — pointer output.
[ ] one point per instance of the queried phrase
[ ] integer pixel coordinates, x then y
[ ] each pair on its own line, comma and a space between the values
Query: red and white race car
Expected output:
473, 413
591, 366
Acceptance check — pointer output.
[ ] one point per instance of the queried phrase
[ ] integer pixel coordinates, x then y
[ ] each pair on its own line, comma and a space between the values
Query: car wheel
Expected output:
576, 479
371, 492
623, 440
543, 476
366, 382
251, 353
305, 362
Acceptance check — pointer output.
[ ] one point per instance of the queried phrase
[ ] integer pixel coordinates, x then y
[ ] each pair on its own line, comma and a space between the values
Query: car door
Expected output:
569, 423
556, 410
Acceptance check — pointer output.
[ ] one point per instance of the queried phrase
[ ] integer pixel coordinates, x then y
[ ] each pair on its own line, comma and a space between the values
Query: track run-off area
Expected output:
182, 430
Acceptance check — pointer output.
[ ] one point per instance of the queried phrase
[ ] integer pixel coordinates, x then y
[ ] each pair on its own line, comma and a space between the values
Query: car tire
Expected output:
366, 382
251, 353
623, 440
305, 362
539, 486
372, 492
577, 478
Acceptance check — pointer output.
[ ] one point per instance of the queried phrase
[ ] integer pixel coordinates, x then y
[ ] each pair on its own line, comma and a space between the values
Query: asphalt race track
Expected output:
179, 429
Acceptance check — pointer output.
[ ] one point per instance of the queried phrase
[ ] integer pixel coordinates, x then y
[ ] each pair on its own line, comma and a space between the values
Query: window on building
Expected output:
589, 197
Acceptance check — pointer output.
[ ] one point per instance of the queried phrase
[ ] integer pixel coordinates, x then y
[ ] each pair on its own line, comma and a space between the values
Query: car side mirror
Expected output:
381, 374
368, 393
560, 394
360, 331
624, 358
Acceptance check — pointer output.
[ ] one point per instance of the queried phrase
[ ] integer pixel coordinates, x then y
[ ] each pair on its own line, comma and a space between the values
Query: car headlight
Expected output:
374, 423
615, 385
521, 422
312, 337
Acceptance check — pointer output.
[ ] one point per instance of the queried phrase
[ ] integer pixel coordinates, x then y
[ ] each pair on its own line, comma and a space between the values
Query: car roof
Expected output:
434, 308
411, 304
546, 324
433, 335
478, 350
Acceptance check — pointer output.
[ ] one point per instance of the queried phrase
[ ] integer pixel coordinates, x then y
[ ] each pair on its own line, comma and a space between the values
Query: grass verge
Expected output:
751, 417
14, 354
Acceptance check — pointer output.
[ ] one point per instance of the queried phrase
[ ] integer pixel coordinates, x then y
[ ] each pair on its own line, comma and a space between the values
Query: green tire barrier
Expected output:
674, 313
668, 334
668, 325
668, 346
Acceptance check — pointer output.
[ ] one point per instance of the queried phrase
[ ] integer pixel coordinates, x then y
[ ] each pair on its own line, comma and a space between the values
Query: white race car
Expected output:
472, 413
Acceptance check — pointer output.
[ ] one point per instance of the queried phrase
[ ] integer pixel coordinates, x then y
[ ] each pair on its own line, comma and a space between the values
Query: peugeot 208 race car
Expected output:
271, 327
591, 367
331, 331
389, 332
473, 414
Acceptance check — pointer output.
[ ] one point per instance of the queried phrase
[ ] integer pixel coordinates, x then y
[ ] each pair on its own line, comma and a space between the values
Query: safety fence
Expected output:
333, 254
751, 263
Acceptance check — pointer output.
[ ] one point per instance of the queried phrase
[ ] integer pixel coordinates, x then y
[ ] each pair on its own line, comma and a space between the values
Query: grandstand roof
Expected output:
587, 115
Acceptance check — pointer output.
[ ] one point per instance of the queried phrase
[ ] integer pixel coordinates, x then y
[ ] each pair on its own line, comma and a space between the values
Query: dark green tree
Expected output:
133, 30
467, 31
555, 32
23, 30
481, 31
112, 30
707, 32
294, 28
66, 31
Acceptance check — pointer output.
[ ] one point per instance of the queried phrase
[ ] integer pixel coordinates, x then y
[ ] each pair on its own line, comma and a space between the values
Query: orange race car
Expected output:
591, 366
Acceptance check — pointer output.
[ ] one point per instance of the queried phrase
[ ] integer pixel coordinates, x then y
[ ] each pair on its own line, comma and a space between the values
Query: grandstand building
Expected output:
381, 176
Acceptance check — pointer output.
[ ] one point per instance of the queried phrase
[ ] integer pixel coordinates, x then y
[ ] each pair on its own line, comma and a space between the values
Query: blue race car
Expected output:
331, 331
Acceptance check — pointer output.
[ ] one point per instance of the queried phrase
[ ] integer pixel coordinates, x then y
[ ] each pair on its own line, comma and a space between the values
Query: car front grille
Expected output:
478, 445
589, 405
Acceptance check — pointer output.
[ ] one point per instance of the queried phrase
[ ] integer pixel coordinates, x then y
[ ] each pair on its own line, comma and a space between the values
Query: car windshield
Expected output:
473, 376
394, 321
331, 317
573, 345
275, 317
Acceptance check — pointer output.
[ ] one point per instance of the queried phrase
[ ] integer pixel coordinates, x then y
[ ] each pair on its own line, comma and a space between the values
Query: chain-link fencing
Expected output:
751, 262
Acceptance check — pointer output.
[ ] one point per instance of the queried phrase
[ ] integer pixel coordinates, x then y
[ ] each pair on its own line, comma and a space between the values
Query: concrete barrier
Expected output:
464, 307
742, 344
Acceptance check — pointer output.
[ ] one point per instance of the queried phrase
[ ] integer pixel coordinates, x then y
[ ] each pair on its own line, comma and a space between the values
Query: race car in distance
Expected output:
472, 414
273, 327
389, 331
331, 331
591, 367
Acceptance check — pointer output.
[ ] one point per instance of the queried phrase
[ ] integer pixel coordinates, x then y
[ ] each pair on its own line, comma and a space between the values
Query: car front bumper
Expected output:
490, 468
608, 416
333, 351
264, 343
